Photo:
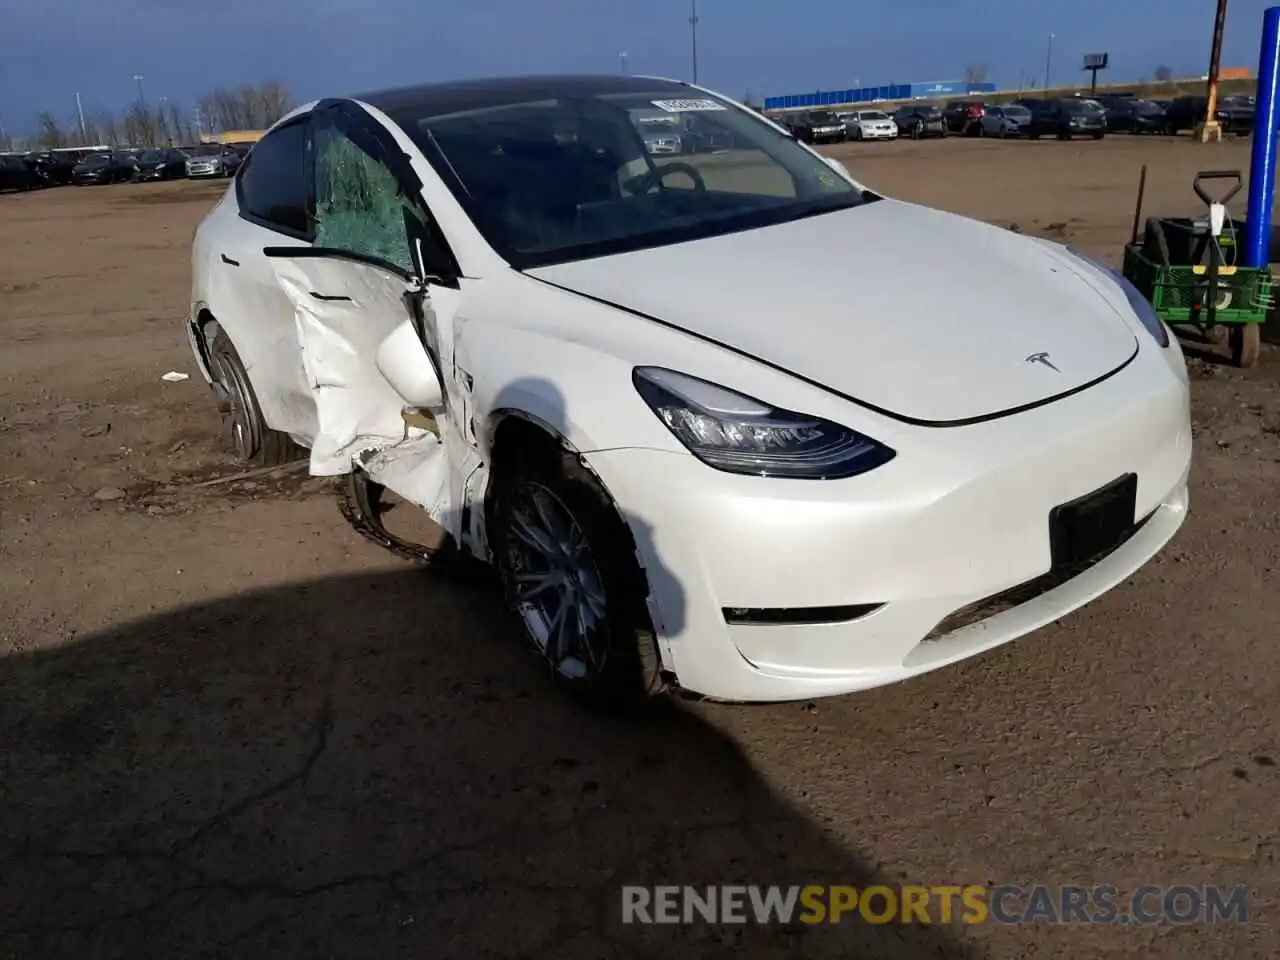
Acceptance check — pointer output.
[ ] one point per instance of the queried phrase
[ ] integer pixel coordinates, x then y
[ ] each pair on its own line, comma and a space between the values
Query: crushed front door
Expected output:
375, 319
355, 320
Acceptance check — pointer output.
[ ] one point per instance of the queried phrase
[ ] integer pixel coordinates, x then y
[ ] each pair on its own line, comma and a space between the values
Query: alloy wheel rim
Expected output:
239, 417
555, 583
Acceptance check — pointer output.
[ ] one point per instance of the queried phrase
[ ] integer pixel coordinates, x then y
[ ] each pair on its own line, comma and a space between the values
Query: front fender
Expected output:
582, 394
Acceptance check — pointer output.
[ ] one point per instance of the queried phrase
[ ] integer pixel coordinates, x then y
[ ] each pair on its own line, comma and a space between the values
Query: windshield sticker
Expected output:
687, 106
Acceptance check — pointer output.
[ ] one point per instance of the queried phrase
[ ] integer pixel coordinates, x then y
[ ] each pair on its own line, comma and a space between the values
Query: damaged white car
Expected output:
618, 378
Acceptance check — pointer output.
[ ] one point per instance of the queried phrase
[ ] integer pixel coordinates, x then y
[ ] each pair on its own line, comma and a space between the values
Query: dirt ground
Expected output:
233, 728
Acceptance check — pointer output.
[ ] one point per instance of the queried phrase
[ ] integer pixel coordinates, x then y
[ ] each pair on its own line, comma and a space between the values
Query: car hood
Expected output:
943, 321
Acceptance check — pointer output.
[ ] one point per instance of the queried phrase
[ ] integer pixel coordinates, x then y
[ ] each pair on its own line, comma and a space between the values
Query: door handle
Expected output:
226, 259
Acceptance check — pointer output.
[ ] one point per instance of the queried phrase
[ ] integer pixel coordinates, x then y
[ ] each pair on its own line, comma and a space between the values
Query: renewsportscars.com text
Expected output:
972, 904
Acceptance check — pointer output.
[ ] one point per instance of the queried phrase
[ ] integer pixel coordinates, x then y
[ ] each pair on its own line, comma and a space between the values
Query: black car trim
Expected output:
900, 417
307, 235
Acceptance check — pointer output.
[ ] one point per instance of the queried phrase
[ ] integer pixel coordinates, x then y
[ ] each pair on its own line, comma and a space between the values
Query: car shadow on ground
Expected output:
372, 766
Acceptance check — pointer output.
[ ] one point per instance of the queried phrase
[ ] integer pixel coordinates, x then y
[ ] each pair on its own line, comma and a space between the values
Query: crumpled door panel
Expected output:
346, 310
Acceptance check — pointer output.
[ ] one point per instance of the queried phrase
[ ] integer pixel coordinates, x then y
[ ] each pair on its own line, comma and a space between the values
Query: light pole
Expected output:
693, 35
142, 100
84, 136
161, 121
1209, 128
1048, 61
622, 62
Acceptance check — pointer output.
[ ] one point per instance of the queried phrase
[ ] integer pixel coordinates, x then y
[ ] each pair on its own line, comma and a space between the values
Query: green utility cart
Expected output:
1192, 277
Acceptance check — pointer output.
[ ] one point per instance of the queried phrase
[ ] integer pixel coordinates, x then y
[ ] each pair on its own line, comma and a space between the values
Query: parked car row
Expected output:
52, 168
1033, 117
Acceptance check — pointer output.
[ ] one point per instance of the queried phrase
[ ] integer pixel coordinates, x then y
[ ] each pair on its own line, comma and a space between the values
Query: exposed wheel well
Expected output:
206, 327
517, 437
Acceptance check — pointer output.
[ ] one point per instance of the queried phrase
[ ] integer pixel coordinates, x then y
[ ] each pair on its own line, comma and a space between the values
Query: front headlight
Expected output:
1141, 306
738, 434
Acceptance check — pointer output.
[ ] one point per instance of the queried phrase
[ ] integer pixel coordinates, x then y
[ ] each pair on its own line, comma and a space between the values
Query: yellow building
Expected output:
233, 136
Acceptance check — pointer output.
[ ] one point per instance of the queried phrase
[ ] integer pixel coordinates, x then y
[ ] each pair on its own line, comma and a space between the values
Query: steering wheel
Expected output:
646, 181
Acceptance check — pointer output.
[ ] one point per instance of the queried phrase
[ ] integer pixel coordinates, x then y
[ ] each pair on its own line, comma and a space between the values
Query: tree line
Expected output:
164, 123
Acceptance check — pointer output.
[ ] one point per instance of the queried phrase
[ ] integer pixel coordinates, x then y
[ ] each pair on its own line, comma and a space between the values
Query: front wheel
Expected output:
569, 572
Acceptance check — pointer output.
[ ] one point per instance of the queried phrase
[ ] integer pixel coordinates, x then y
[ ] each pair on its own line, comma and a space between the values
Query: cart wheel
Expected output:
1246, 344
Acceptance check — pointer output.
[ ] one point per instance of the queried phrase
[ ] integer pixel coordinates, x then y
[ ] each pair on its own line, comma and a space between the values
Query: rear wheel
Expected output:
569, 572
243, 425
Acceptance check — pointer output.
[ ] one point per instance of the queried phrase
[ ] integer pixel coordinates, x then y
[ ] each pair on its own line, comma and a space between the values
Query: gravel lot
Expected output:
232, 727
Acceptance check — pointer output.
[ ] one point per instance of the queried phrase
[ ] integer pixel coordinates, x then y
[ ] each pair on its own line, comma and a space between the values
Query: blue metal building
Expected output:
893, 91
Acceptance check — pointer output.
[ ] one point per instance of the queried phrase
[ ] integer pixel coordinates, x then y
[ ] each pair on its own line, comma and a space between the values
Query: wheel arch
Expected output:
201, 328
507, 430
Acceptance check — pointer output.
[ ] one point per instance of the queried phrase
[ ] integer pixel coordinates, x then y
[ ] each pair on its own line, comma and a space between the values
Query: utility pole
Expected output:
622, 62
1048, 61
693, 35
84, 136
1209, 128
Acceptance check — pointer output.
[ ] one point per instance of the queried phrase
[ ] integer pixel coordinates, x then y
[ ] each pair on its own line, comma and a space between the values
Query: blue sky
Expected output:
764, 47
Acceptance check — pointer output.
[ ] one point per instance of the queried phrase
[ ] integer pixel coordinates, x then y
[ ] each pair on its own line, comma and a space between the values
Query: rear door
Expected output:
374, 301
271, 206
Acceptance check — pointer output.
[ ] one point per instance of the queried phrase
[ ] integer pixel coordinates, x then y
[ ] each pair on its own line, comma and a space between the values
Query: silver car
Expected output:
871, 125
1005, 120
208, 160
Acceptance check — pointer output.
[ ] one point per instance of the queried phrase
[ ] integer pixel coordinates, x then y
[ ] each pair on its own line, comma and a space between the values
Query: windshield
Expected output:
151, 156
97, 160
823, 116
873, 115
1016, 111
1237, 103
1146, 107
207, 150
566, 179
1082, 108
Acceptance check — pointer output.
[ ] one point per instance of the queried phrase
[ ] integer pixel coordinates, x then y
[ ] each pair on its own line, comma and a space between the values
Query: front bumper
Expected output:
960, 516
879, 133
196, 173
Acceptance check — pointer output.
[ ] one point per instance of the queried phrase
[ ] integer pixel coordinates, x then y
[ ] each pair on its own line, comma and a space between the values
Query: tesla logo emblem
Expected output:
1042, 358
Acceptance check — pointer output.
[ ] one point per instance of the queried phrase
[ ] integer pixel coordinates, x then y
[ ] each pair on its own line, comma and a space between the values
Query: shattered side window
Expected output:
359, 206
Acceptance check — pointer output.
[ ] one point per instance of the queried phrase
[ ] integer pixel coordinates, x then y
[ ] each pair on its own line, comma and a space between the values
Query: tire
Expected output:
251, 439
1246, 343
541, 481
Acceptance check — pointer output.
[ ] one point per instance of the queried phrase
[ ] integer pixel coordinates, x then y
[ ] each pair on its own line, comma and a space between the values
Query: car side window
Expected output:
272, 189
360, 205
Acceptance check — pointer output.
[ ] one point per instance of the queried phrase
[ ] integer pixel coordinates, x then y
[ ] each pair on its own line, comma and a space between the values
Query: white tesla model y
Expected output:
619, 378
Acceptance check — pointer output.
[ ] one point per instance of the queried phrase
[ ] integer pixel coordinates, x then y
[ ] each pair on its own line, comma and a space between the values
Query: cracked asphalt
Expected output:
232, 728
